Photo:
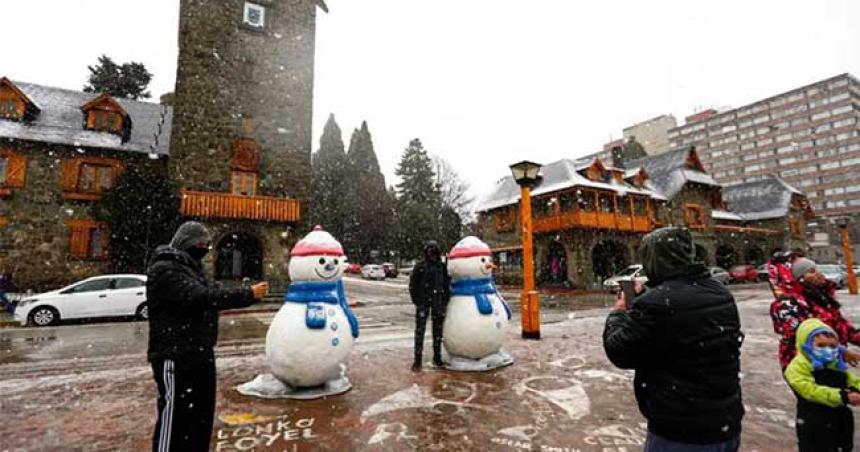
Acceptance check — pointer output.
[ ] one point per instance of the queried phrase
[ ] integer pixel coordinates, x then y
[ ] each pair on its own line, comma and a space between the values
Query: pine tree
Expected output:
329, 181
141, 212
128, 81
368, 220
419, 202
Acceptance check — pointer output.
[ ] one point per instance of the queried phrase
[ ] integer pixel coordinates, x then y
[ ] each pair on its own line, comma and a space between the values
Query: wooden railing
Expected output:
592, 220
745, 230
238, 207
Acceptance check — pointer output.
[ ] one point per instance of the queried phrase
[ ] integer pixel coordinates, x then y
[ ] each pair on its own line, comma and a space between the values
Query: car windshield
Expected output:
828, 269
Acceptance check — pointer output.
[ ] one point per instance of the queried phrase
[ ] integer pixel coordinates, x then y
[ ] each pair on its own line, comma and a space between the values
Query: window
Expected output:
88, 239
244, 183
106, 121
640, 207
9, 109
91, 286
586, 201
505, 219
840, 110
128, 283
694, 216
566, 202
4, 163
606, 203
95, 178
255, 15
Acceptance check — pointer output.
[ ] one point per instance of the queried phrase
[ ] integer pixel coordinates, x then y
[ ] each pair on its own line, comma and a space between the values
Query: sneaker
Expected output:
416, 367
438, 363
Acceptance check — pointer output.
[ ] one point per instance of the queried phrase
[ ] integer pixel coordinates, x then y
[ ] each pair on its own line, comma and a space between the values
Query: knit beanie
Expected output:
801, 266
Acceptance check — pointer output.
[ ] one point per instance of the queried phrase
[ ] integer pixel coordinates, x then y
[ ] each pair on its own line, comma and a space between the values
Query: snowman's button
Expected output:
498, 325
335, 341
334, 326
331, 312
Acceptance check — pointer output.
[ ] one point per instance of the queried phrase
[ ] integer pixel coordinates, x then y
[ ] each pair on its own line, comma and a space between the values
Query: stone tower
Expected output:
241, 132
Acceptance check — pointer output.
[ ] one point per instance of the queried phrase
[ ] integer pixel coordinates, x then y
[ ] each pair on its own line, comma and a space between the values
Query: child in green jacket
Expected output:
819, 376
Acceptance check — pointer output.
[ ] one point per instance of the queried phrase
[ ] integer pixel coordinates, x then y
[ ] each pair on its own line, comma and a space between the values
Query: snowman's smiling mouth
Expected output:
324, 276
486, 270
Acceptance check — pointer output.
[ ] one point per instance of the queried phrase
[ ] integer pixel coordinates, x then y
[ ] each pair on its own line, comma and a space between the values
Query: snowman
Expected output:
313, 333
477, 317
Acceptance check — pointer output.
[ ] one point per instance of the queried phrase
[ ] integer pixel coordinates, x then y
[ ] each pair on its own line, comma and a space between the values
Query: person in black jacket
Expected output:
430, 290
183, 329
683, 338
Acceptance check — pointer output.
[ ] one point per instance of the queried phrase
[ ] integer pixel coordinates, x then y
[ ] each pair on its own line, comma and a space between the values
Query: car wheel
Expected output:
143, 312
44, 316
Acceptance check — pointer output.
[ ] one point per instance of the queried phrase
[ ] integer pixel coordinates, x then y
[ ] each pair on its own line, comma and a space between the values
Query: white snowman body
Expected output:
298, 355
467, 332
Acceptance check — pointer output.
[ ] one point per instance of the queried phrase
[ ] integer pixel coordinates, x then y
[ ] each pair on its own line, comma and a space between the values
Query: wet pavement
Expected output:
561, 394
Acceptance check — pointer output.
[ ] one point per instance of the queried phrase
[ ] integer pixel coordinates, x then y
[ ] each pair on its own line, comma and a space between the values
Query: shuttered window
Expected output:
87, 239
694, 216
13, 169
85, 178
95, 178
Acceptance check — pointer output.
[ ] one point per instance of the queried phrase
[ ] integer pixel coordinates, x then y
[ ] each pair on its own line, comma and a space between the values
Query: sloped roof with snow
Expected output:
61, 121
669, 172
556, 176
762, 199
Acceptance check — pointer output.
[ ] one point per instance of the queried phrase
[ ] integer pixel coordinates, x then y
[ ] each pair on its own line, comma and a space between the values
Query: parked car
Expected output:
372, 271
100, 296
719, 274
631, 273
835, 273
743, 274
354, 268
390, 270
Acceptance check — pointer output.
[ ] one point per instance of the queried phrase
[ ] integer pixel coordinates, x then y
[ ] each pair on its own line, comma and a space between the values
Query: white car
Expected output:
100, 296
631, 273
371, 271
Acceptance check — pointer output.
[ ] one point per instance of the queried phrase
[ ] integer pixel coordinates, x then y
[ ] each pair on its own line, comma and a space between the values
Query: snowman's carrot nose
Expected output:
329, 266
490, 266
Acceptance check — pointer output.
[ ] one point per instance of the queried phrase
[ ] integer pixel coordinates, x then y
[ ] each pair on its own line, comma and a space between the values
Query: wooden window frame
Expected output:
101, 107
14, 173
505, 219
245, 177
98, 173
72, 171
10, 95
689, 208
81, 234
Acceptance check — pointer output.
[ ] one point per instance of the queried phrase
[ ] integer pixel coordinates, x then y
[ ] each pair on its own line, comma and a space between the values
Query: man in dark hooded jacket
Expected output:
430, 290
183, 329
683, 338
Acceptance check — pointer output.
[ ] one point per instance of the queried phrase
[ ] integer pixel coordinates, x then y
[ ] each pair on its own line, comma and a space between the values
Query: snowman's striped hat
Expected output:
470, 246
317, 243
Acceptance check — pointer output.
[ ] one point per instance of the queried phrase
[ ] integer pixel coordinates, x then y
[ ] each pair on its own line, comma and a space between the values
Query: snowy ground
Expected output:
561, 394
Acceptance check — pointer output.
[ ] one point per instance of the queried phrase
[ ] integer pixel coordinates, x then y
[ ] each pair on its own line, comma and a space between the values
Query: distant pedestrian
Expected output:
818, 375
6, 287
802, 293
429, 288
183, 329
683, 338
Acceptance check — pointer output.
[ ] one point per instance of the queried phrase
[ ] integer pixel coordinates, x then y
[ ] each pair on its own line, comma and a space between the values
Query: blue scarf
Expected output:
818, 362
480, 288
314, 294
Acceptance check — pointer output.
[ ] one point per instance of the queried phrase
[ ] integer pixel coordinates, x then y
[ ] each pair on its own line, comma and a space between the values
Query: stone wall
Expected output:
35, 242
228, 72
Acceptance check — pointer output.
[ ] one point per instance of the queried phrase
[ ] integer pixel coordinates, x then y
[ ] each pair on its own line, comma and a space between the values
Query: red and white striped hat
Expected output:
470, 246
317, 243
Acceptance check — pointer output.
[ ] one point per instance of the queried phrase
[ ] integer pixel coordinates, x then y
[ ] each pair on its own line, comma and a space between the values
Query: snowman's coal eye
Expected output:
335, 262
483, 260
322, 261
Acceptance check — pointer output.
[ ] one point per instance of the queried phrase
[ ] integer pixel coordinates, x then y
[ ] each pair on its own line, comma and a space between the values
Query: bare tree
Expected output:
453, 189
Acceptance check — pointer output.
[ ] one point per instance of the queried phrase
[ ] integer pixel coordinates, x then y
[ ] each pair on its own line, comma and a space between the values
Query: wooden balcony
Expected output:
592, 220
744, 230
238, 207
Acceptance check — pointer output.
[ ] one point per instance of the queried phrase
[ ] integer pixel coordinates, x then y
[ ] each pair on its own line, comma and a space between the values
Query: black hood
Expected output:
191, 233
669, 253
169, 253
432, 248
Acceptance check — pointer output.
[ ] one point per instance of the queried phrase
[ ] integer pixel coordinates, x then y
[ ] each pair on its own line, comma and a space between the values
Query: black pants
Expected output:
422, 312
186, 403
824, 429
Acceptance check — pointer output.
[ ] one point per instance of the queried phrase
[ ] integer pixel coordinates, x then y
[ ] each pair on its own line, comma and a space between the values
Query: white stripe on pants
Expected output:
167, 412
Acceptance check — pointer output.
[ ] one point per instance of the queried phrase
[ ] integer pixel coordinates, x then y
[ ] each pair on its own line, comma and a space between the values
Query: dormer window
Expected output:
14, 104
255, 15
104, 114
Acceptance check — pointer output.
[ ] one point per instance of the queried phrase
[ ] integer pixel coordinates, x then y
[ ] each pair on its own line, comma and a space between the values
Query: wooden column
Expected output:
529, 300
848, 255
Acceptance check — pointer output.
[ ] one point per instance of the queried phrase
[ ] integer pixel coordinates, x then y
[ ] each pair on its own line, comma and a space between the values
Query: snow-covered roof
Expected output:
556, 176
60, 121
762, 199
669, 171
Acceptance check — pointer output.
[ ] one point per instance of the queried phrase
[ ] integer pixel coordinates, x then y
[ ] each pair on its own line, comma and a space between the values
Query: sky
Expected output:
485, 83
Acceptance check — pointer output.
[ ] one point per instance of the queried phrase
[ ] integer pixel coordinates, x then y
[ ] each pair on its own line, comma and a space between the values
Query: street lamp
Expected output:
847, 254
527, 175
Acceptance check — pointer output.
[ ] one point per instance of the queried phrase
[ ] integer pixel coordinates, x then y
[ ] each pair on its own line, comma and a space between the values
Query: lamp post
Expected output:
527, 174
847, 254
